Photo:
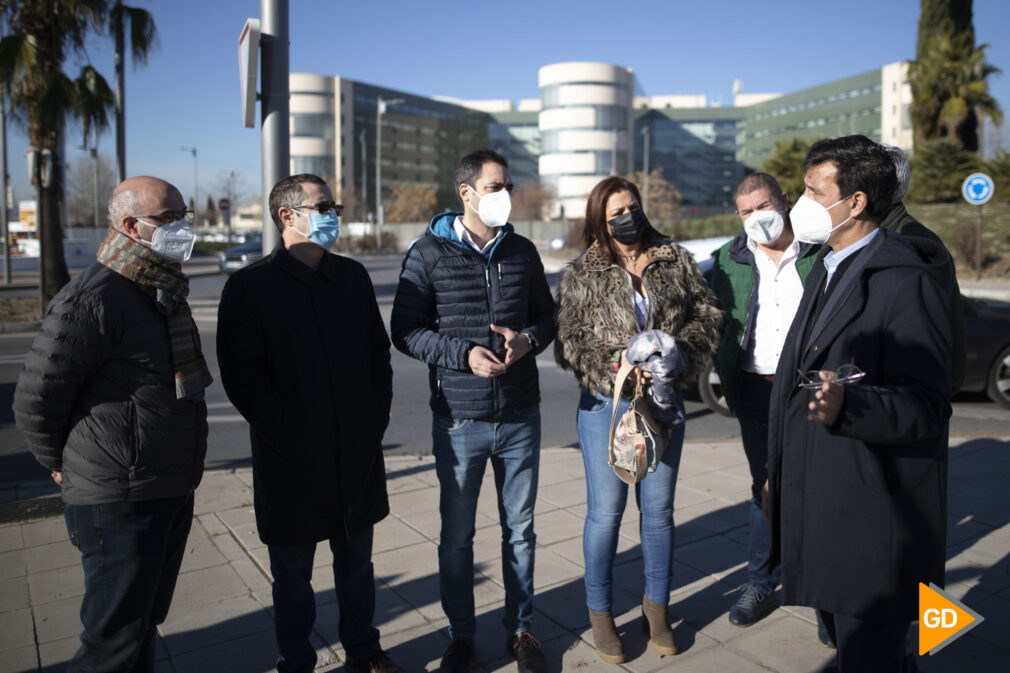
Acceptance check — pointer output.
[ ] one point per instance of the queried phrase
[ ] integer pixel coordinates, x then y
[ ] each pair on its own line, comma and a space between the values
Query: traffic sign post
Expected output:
977, 189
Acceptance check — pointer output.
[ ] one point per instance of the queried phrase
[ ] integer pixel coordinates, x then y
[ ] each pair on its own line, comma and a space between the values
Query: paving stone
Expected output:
54, 656
18, 629
243, 655
44, 532
206, 586
391, 533
13, 594
51, 556
227, 620
790, 646
58, 620
20, 659
10, 537
54, 585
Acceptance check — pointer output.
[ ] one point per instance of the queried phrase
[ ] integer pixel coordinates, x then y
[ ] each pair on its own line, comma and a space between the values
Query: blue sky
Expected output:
188, 93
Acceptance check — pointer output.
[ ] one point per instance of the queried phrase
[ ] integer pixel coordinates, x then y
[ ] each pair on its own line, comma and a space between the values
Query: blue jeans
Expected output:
752, 413
131, 553
462, 448
607, 495
295, 601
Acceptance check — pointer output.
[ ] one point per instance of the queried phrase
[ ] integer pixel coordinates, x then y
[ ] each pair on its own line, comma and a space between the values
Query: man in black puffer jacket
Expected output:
111, 401
473, 302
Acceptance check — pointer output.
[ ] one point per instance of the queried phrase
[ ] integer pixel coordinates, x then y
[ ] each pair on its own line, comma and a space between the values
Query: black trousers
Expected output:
869, 647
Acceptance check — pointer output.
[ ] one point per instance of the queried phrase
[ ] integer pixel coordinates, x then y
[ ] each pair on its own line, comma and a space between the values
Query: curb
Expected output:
34, 508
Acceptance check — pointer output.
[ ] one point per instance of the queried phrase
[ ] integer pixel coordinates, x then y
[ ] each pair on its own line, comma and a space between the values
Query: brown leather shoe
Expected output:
608, 643
656, 625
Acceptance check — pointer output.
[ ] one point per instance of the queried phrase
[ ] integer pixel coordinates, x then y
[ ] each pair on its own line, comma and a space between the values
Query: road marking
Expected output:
14, 359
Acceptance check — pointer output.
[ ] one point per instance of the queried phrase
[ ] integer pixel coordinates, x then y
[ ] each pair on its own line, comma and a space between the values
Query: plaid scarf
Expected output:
165, 283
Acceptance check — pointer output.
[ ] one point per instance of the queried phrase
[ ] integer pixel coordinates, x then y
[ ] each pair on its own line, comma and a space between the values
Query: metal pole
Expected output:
274, 107
380, 218
120, 102
978, 246
645, 171
364, 178
3, 191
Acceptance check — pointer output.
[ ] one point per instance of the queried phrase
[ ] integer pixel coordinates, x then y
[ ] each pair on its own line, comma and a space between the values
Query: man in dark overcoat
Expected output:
304, 357
858, 466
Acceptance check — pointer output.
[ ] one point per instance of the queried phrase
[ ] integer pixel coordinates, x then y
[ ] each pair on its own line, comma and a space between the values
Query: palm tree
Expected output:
950, 92
785, 164
143, 36
41, 96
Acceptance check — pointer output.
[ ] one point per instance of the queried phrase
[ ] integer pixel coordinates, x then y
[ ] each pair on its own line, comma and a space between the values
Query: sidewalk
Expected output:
222, 618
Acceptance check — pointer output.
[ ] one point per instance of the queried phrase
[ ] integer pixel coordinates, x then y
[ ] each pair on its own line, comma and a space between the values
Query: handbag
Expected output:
637, 441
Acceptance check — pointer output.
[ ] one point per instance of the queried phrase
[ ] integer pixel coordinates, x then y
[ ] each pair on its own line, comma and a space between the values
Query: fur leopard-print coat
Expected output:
596, 312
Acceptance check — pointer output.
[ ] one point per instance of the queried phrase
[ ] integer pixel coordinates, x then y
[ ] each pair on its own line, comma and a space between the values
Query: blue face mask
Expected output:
324, 229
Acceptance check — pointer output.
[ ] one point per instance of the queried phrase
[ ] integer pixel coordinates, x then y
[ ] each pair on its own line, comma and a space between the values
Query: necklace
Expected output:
631, 258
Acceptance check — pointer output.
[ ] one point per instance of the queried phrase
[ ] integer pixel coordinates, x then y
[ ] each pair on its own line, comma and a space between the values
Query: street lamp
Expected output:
380, 214
196, 201
645, 170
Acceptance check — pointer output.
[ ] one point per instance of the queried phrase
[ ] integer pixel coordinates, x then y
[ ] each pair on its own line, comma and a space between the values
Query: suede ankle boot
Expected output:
608, 643
656, 625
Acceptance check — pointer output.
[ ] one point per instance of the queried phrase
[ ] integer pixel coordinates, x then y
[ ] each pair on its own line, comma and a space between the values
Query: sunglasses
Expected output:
169, 216
323, 207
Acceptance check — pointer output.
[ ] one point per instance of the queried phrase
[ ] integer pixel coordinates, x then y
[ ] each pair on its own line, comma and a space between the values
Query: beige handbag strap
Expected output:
622, 376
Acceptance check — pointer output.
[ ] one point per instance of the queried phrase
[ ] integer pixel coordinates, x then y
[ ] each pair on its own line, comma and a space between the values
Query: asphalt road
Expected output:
409, 430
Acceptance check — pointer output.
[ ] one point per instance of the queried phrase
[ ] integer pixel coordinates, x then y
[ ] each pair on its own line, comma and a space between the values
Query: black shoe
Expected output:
752, 607
822, 633
526, 649
458, 656
376, 663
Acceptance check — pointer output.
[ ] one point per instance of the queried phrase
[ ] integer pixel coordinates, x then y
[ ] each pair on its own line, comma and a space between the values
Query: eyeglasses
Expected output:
170, 216
323, 207
844, 374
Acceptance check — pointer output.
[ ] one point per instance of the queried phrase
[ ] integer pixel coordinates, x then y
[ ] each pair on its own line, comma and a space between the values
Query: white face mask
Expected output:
812, 222
493, 208
764, 226
172, 241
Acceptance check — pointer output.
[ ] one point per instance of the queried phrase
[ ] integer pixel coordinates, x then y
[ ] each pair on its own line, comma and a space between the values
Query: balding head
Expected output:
142, 195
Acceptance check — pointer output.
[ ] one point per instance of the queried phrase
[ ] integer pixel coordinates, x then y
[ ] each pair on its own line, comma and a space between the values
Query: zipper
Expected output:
134, 440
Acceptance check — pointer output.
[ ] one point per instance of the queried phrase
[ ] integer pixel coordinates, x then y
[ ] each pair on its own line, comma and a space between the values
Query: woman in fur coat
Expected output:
629, 279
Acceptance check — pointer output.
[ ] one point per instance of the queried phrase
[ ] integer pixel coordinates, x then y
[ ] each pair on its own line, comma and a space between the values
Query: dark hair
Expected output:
596, 228
288, 193
470, 166
863, 166
755, 181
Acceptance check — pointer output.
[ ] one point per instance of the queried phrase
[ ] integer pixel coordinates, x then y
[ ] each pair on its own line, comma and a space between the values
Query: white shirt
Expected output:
833, 259
464, 235
779, 291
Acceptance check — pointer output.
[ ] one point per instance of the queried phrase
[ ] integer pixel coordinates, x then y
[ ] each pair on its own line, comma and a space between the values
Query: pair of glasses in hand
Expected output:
844, 374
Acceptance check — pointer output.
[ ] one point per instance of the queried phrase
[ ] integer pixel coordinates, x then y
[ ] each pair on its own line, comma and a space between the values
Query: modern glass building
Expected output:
333, 134
874, 104
583, 128
696, 147
586, 129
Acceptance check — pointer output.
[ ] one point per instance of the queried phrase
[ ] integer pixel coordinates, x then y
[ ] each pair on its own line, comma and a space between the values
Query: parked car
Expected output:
987, 367
241, 255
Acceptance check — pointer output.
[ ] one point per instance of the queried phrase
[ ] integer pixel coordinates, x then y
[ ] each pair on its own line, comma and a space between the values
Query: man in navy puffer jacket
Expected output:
473, 302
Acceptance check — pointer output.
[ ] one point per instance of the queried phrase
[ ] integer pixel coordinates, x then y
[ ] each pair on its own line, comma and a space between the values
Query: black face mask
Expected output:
629, 227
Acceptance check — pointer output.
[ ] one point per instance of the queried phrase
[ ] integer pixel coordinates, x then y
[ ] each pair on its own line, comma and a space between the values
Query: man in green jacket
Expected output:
758, 279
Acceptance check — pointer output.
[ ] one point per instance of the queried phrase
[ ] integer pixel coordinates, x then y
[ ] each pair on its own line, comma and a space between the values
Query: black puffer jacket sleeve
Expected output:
542, 309
74, 341
412, 321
